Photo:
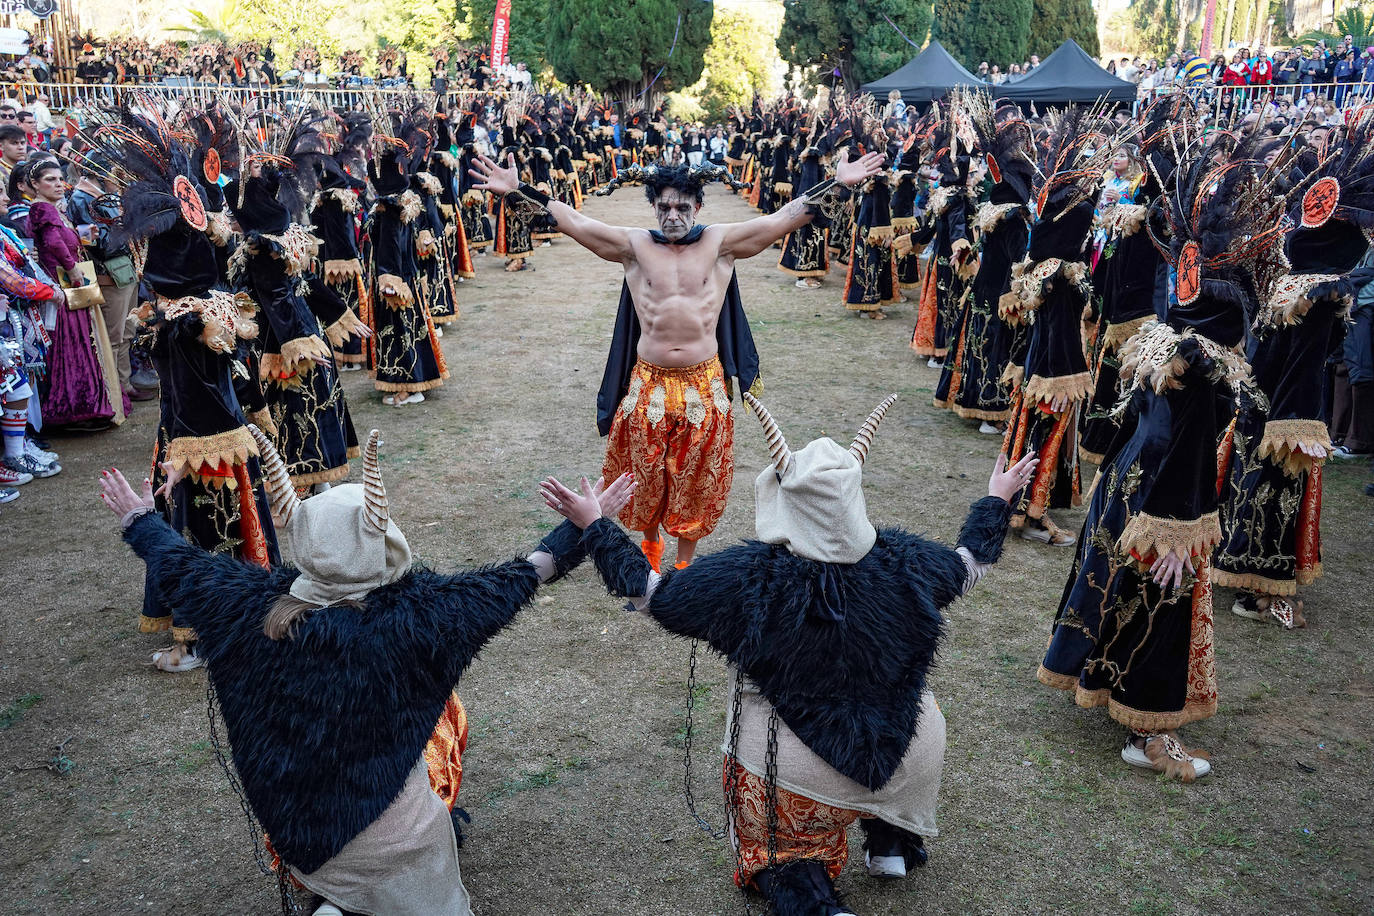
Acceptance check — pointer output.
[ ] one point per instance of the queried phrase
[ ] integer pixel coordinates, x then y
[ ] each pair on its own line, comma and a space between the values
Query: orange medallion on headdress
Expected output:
1189, 284
192, 208
1320, 202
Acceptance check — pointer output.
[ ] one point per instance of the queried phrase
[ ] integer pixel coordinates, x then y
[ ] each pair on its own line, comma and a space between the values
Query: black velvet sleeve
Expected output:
985, 529
327, 305
272, 291
1186, 464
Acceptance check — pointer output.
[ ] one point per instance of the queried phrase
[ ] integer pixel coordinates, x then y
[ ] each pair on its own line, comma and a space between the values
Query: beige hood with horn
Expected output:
343, 541
811, 501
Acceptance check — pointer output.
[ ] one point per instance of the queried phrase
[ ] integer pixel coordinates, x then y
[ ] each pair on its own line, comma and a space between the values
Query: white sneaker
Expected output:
935, 362
41, 454
885, 866
1137, 757
989, 429
328, 909
438, 330
12, 478
1346, 454
174, 662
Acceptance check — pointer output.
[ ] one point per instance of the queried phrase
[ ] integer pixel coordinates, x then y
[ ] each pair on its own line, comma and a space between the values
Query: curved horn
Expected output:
375, 511
281, 495
777, 445
859, 448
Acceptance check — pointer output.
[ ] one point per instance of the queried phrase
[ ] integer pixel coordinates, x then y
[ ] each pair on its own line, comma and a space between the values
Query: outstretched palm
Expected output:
491, 177
861, 169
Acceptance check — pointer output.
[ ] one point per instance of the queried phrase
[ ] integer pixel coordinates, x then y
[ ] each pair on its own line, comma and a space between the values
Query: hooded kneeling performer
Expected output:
829, 627
335, 676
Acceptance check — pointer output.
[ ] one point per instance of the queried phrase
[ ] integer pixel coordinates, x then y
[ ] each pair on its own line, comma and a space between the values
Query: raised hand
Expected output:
861, 169
491, 177
172, 476
1006, 482
615, 497
116, 493
579, 508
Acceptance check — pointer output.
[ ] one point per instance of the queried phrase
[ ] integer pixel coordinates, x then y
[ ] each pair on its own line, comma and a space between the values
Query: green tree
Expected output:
528, 28
1153, 26
853, 35
1352, 21
620, 46
1055, 21
974, 31
740, 60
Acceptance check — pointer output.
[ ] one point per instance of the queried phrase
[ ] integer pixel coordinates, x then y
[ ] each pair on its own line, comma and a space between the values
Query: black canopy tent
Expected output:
928, 76
1068, 75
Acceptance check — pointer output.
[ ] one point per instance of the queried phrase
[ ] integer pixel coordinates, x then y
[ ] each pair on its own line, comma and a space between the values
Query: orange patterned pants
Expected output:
674, 430
444, 752
807, 829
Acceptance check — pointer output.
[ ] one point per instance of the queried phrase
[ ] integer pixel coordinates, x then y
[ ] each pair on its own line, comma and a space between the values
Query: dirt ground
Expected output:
574, 771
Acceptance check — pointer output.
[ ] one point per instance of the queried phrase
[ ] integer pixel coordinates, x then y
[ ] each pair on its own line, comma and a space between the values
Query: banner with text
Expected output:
500, 35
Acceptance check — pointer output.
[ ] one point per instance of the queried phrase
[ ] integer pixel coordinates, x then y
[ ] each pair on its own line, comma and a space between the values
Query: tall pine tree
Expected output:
857, 37
974, 31
620, 46
1056, 21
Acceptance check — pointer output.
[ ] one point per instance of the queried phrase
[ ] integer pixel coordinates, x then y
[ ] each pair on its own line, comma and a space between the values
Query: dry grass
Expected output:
574, 769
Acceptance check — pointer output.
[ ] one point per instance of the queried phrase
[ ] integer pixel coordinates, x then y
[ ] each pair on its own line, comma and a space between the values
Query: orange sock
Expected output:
653, 550
682, 564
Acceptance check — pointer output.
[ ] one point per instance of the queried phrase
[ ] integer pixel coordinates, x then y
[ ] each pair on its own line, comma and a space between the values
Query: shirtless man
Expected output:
673, 429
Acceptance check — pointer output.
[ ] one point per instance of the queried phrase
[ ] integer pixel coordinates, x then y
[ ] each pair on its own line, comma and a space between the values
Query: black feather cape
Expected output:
324, 727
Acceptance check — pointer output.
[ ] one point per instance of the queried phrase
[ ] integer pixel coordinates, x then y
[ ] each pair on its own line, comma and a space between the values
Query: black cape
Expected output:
734, 342
324, 727
849, 684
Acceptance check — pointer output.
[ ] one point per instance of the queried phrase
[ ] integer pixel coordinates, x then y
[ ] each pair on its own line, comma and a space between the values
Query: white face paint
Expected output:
676, 213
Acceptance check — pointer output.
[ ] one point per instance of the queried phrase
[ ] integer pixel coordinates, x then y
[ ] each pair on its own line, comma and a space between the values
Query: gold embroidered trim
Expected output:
431, 185
224, 319
1124, 220
879, 235
720, 397
229, 448
1074, 387
410, 206
782, 187
1289, 303
410, 387
658, 398
1263, 584
1150, 359
1055, 679
1030, 282
1143, 720
693, 407
262, 419
314, 477
403, 297
1282, 440
425, 244
941, 198
1146, 536
217, 227
472, 198
1012, 376
347, 326
990, 214
902, 225
627, 403
1114, 335
299, 246
337, 270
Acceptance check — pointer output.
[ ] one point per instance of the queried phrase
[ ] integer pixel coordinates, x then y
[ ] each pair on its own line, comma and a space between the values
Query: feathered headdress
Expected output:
699, 176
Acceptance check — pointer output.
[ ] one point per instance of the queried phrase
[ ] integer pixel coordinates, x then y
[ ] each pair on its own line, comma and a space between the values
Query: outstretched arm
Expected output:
609, 242
746, 239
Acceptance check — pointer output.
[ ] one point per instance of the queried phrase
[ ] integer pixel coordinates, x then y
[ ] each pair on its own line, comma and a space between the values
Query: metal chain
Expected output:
770, 787
288, 903
687, 749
